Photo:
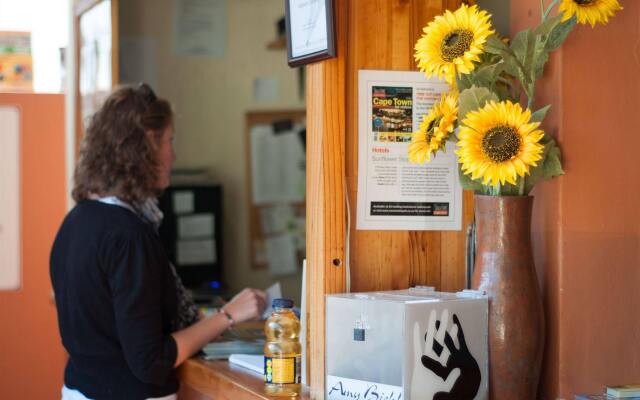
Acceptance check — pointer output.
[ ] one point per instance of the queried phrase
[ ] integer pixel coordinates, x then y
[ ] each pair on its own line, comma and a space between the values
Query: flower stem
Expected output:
531, 94
545, 14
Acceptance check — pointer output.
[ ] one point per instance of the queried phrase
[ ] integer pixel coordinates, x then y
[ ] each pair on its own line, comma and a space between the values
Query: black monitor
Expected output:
191, 232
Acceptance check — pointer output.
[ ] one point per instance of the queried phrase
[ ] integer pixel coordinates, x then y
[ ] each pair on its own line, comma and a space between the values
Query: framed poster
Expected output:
16, 65
310, 31
393, 193
96, 32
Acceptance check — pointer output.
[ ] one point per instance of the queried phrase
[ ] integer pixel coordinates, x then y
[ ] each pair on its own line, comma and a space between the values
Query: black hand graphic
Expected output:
467, 385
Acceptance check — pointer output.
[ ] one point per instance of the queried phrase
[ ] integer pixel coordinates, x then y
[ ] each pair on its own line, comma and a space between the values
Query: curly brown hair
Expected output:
116, 156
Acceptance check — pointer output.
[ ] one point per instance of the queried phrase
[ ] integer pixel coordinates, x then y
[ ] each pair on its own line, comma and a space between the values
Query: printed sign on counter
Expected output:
348, 389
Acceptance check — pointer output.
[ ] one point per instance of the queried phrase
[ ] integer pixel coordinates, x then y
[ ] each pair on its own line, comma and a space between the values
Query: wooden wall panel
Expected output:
382, 35
370, 34
326, 218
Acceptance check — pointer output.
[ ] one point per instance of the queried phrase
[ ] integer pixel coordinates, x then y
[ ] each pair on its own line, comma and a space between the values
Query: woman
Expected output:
122, 312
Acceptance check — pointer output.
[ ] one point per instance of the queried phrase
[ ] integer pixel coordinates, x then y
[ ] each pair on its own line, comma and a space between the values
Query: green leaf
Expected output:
540, 58
520, 42
469, 184
539, 115
523, 46
512, 65
548, 167
486, 75
463, 81
547, 26
559, 33
472, 99
496, 46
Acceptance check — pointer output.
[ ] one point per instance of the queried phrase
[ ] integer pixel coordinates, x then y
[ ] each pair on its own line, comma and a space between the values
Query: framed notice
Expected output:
310, 35
394, 194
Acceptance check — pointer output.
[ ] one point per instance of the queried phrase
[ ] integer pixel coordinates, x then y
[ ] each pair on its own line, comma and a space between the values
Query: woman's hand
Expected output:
247, 305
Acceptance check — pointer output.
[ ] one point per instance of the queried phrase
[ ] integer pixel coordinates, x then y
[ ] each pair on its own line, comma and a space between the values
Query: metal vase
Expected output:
504, 269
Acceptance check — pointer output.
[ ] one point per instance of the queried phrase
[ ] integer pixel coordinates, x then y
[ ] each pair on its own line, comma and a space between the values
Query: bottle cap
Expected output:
282, 303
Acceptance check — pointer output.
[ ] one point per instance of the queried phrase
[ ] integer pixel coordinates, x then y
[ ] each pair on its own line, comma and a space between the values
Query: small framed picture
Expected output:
310, 35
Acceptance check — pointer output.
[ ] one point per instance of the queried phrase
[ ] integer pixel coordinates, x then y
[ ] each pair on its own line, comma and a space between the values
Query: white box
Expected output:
414, 344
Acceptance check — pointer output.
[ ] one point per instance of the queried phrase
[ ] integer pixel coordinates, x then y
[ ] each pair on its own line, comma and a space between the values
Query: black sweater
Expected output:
116, 301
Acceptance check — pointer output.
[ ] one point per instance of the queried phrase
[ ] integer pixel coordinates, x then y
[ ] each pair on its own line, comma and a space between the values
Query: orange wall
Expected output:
31, 355
587, 223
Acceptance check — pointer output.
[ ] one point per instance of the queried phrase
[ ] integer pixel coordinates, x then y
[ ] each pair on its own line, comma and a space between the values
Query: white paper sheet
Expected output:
273, 292
279, 218
183, 202
196, 226
303, 322
200, 28
277, 166
194, 252
394, 194
281, 253
308, 25
252, 362
10, 270
266, 89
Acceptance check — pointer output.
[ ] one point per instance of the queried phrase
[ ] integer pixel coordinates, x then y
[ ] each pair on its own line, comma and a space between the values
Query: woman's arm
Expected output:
245, 306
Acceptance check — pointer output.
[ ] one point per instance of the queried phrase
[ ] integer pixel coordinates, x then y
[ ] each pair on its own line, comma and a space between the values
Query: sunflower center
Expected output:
455, 44
501, 143
584, 2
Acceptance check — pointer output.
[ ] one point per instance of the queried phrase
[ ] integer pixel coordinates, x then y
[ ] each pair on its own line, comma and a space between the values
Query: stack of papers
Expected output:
253, 363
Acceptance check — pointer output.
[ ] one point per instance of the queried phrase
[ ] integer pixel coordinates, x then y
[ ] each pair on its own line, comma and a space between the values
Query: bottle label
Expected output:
282, 370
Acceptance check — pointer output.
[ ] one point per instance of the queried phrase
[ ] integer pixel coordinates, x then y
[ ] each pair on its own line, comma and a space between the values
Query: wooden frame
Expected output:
307, 58
81, 9
253, 118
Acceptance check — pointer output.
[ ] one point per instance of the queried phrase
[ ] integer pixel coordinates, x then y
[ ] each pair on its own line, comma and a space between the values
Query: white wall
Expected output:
211, 97
48, 22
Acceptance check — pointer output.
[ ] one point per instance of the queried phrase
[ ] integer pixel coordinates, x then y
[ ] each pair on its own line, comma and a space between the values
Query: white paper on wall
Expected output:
194, 252
196, 226
10, 270
277, 218
393, 193
277, 166
266, 89
200, 28
281, 255
183, 202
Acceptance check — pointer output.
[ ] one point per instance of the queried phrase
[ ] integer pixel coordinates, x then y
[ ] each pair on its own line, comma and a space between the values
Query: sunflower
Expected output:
498, 143
591, 11
452, 42
435, 128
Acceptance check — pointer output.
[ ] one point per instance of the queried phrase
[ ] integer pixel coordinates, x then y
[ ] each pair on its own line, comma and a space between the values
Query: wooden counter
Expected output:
219, 380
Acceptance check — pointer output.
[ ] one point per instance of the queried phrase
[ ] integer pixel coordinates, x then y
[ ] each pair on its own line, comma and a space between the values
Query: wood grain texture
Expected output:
326, 218
220, 380
370, 34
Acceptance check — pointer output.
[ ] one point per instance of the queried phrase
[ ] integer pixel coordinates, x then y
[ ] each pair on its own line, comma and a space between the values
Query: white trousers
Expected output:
73, 394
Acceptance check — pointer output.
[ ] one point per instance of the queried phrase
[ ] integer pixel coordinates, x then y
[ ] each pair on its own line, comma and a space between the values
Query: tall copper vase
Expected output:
504, 269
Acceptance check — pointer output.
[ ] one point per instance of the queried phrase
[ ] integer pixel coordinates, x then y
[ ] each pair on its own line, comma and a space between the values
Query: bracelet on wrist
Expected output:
227, 315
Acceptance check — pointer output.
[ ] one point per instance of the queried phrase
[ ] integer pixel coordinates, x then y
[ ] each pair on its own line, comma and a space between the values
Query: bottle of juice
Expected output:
282, 350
